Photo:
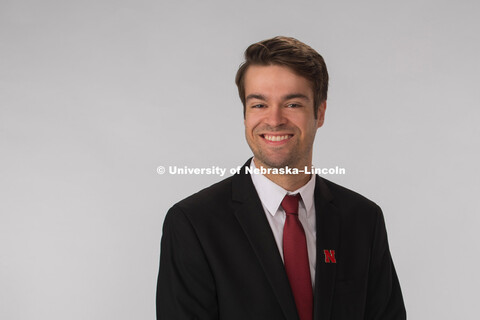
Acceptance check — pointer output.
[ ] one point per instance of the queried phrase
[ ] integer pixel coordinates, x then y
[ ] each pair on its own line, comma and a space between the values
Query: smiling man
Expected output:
280, 123
278, 246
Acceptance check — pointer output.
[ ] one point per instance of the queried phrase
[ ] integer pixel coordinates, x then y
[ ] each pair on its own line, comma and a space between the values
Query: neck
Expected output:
289, 182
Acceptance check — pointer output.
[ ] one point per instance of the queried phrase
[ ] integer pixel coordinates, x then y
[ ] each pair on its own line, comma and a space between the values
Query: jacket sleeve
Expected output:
384, 296
185, 287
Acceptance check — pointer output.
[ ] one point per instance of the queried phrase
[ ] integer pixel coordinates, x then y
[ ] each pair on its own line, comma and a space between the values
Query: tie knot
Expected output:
290, 204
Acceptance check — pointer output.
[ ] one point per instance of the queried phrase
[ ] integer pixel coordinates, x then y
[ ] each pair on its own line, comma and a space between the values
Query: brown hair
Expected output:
288, 52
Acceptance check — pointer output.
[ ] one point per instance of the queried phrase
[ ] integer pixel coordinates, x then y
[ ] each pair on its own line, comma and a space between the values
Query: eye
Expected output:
257, 106
293, 105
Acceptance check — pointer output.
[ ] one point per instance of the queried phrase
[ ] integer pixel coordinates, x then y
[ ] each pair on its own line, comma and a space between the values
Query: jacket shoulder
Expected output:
350, 202
210, 200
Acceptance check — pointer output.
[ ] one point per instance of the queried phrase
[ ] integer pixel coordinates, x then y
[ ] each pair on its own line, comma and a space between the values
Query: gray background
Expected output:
94, 95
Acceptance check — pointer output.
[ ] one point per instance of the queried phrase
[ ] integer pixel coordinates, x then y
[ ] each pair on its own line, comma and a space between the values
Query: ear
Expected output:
321, 113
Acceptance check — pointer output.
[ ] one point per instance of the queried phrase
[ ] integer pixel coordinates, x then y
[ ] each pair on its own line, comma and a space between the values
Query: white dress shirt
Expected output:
271, 196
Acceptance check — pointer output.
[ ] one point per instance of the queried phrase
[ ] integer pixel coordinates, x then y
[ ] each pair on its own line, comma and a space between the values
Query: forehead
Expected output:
274, 80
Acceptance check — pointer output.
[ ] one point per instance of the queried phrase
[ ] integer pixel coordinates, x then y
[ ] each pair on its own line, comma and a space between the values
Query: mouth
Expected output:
276, 138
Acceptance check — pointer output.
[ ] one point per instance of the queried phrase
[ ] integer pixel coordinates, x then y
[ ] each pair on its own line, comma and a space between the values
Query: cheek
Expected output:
308, 127
301, 122
250, 123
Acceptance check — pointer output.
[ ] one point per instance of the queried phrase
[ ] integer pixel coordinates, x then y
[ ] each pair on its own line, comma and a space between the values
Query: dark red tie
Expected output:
295, 256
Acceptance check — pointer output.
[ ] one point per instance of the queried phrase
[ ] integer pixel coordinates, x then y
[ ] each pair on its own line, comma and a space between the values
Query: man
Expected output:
278, 245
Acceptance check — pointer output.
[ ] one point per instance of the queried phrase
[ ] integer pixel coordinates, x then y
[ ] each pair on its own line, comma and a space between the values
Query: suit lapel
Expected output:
251, 216
328, 232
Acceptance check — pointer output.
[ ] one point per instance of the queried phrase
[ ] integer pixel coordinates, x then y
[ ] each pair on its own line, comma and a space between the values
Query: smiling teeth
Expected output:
276, 138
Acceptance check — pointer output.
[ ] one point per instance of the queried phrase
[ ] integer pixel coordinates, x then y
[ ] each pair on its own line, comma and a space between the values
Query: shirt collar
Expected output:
271, 194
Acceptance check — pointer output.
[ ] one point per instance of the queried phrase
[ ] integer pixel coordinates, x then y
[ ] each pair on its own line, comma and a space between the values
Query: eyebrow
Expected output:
286, 97
255, 96
295, 96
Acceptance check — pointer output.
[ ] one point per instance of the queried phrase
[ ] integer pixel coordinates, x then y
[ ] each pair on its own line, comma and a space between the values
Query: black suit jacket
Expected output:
219, 259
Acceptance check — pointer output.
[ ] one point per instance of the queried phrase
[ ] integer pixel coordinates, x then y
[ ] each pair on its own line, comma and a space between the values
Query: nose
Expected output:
275, 116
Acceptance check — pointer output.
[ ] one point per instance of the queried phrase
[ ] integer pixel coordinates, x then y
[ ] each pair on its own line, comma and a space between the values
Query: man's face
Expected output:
279, 121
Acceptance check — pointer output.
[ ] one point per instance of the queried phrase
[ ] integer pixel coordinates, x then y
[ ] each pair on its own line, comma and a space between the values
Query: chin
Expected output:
275, 163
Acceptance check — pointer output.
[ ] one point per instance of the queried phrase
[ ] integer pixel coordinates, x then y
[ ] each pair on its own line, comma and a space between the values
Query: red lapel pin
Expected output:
329, 256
